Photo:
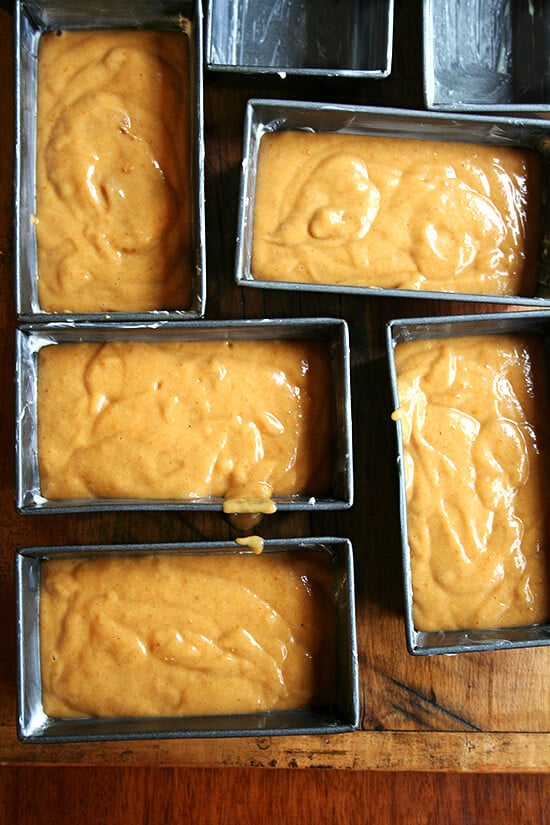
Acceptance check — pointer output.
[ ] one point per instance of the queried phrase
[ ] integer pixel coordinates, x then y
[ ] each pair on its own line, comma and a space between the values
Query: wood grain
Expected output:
145, 796
475, 712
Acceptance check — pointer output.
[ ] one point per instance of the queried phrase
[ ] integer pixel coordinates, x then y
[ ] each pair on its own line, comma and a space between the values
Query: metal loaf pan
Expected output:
32, 19
33, 725
335, 39
398, 331
490, 56
31, 337
264, 116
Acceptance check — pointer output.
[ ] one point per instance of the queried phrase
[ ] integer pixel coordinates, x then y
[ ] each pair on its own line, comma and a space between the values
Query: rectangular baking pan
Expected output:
489, 56
292, 37
32, 19
264, 116
33, 725
30, 338
399, 330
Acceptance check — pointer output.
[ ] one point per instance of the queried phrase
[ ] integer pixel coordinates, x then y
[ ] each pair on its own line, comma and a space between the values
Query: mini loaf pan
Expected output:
263, 116
33, 18
30, 338
33, 725
422, 643
334, 39
489, 56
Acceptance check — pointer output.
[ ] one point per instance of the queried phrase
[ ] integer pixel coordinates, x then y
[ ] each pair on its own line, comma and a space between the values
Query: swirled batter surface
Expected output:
180, 420
113, 171
396, 213
195, 635
475, 414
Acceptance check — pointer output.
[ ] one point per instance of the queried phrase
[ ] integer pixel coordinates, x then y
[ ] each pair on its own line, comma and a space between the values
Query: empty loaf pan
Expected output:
487, 56
471, 398
393, 202
216, 415
336, 39
279, 656
109, 160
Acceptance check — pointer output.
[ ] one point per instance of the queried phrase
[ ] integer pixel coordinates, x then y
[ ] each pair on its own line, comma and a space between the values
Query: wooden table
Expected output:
472, 714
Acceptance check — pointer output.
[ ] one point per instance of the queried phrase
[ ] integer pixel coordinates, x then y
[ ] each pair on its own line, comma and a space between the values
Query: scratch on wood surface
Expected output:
420, 708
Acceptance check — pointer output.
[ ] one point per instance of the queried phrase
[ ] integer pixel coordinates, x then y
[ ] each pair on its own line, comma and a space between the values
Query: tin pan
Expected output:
266, 116
34, 725
331, 39
31, 338
487, 57
32, 19
422, 643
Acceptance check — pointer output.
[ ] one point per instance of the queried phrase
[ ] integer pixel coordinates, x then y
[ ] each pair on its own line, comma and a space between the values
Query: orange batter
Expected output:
476, 428
113, 171
396, 213
181, 420
172, 636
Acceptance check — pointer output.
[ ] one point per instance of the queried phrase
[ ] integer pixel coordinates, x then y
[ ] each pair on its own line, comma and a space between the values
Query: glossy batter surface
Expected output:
180, 420
113, 171
396, 213
171, 636
475, 414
